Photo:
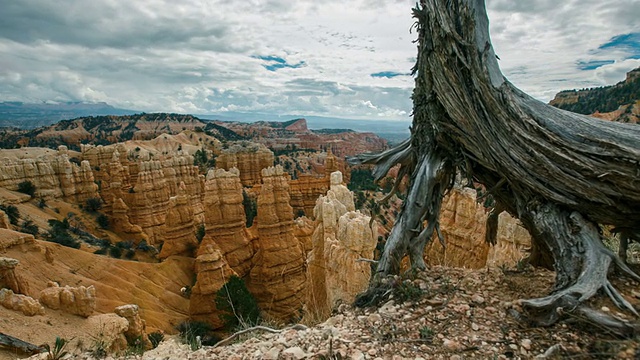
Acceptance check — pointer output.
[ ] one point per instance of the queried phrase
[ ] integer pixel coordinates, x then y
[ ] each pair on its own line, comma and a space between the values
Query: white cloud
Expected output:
203, 57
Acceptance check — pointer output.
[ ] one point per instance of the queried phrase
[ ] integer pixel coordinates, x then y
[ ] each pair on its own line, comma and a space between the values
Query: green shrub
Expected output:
42, 203
129, 254
250, 208
200, 232
58, 351
103, 221
156, 338
93, 204
59, 233
29, 227
101, 251
27, 187
115, 252
190, 331
12, 213
237, 305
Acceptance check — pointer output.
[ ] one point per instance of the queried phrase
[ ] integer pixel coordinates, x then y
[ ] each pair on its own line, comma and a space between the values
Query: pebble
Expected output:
477, 299
295, 352
526, 344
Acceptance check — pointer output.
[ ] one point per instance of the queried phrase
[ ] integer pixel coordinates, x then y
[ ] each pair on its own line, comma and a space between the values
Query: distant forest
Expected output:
604, 99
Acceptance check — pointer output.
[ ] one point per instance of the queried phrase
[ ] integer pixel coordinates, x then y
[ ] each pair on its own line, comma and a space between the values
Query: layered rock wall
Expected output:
225, 226
341, 237
278, 278
248, 158
212, 273
463, 224
179, 228
53, 175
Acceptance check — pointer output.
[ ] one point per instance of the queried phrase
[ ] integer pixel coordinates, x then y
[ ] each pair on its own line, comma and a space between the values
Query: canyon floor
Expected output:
441, 313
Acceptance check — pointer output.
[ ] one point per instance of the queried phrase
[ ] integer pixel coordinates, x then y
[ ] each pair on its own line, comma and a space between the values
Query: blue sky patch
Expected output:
276, 62
626, 42
593, 64
387, 74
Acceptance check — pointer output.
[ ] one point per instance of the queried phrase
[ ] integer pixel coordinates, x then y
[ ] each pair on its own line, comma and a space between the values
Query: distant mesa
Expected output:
619, 102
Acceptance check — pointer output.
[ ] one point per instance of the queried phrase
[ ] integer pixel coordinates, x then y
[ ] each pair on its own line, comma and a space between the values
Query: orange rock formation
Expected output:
340, 238
179, 230
53, 174
278, 277
79, 300
212, 273
225, 220
463, 224
249, 158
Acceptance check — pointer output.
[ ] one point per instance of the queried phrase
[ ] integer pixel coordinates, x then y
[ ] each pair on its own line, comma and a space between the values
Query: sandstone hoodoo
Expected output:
225, 226
179, 227
278, 278
248, 158
341, 240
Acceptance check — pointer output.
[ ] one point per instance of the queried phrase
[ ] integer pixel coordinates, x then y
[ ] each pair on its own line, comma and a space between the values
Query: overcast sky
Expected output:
329, 57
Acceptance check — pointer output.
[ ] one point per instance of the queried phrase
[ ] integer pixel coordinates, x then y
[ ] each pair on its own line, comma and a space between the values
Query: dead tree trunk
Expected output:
561, 173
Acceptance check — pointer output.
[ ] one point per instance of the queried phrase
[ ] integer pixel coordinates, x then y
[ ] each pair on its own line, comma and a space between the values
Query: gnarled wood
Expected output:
559, 172
24, 347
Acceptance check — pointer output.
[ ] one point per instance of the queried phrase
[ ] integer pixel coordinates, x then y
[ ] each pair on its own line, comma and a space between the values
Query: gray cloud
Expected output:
208, 56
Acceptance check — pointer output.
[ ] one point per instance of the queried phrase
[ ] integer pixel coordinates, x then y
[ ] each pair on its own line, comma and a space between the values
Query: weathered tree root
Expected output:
582, 263
560, 173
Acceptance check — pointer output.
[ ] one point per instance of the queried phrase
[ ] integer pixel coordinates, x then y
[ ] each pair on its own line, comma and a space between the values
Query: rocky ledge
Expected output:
443, 313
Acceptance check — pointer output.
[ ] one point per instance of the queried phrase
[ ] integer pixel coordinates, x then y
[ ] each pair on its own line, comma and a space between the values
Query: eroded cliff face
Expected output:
145, 186
278, 278
248, 158
225, 225
306, 189
463, 224
52, 172
341, 236
212, 271
179, 228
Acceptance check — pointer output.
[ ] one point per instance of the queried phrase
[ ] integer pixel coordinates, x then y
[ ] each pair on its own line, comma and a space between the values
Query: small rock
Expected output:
526, 344
475, 327
357, 355
372, 352
294, 353
477, 299
450, 344
605, 309
374, 318
272, 354
455, 357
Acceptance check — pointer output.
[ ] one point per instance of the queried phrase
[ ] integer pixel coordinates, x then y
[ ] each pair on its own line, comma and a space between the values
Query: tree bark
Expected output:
559, 172
17, 344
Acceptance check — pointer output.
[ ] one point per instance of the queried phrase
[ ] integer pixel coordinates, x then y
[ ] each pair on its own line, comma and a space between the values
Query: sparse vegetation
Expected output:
196, 334
237, 305
59, 233
103, 221
250, 208
156, 338
12, 213
115, 252
200, 232
93, 204
361, 179
58, 351
27, 187
29, 227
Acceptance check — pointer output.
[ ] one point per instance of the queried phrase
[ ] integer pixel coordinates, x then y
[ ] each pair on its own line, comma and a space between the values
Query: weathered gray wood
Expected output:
13, 343
559, 172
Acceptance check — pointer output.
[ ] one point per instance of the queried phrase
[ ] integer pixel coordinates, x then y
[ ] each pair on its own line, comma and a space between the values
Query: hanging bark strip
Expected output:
560, 173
